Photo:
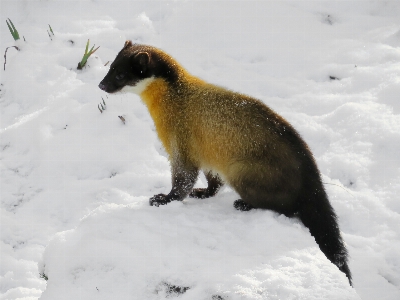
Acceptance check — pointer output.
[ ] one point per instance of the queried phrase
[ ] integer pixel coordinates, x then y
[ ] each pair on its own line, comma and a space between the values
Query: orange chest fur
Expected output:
204, 146
155, 97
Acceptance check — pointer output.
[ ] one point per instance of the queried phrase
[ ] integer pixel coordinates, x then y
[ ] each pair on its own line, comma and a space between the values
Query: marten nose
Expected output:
102, 86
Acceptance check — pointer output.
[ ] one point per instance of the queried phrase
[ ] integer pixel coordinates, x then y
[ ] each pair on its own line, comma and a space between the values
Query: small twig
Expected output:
340, 187
122, 119
44, 276
5, 55
50, 33
107, 63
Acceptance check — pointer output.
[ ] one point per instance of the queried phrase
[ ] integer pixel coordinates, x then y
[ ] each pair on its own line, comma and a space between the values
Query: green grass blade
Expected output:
9, 27
87, 46
12, 24
51, 30
86, 55
13, 30
94, 50
83, 61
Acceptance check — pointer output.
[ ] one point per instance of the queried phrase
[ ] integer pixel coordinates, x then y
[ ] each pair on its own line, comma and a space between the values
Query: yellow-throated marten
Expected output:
233, 138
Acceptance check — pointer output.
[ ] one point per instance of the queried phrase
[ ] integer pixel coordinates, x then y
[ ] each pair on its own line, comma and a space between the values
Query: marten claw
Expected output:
157, 200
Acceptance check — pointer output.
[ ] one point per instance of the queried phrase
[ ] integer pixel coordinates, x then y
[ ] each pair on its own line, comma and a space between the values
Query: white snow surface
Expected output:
75, 182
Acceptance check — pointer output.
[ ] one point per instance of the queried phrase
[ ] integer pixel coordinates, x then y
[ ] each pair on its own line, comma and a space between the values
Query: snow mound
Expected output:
198, 249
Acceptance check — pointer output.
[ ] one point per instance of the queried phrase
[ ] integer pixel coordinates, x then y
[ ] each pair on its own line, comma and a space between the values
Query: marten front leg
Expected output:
184, 176
214, 184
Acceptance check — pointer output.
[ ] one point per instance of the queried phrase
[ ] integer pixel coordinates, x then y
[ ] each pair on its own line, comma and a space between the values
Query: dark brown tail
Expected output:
318, 215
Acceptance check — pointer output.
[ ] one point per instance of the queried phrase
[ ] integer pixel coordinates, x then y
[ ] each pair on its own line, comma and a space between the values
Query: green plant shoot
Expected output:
13, 30
51, 30
50, 33
85, 57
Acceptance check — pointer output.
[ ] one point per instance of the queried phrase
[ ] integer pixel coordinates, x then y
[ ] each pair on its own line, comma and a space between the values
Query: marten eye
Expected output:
120, 76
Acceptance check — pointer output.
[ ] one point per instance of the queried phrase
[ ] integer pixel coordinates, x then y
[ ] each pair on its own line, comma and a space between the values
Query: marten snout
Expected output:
115, 80
102, 86
119, 75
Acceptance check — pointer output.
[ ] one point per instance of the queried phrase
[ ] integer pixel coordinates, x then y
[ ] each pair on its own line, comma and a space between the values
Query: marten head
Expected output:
137, 65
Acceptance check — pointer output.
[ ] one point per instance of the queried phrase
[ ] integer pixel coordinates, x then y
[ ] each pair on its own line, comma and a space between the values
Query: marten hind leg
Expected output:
258, 192
214, 184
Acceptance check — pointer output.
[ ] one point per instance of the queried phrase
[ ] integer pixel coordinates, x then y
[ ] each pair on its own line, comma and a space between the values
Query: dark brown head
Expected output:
136, 63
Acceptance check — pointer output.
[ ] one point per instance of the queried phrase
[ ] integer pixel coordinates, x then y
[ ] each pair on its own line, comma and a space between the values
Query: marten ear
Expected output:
143, 59
127, 44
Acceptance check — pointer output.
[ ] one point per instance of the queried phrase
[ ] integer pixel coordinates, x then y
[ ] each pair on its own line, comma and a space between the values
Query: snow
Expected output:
75, 182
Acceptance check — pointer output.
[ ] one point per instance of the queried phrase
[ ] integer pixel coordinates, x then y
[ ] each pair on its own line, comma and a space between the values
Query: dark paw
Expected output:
200, 194
160, 199
241, 205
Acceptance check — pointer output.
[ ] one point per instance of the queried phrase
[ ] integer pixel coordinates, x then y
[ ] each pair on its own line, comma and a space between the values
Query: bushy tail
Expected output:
318, 215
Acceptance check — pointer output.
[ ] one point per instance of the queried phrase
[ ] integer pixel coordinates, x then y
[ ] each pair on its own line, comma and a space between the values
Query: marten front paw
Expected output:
200, 193
160, 199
